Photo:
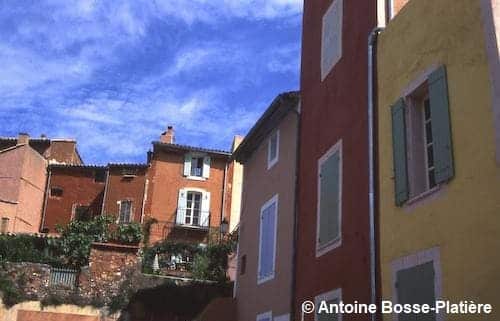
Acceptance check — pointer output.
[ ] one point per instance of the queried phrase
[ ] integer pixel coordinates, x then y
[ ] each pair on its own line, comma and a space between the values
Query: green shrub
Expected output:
28, 248
130, 233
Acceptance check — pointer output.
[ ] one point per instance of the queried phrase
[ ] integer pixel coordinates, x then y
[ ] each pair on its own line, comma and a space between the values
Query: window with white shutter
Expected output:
267, 240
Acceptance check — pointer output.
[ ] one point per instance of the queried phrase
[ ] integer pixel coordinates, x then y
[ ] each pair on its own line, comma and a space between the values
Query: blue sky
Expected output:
114, 74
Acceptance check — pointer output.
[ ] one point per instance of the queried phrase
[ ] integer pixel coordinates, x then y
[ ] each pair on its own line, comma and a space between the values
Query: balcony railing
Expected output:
162, 230
185, 218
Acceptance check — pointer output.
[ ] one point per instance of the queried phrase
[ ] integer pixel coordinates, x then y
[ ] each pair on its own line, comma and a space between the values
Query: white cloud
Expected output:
209, 11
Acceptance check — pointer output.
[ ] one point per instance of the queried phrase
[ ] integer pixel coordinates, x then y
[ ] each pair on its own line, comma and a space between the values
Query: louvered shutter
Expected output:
328, 316
416, 286
187, 164
206, 166
401, 189
329, 228
205, 209
181, 207
441, 129
267, 250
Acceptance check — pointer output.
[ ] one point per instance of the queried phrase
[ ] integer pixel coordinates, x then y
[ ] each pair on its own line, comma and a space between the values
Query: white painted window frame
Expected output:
273, 200
272, 162
120, 211
321, 250
266, 315
327, 296
412, 260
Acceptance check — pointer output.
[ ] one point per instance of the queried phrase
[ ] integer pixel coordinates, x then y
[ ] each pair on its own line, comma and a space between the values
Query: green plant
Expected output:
146, 229
77, 237
130, 233
11, 294
27, 248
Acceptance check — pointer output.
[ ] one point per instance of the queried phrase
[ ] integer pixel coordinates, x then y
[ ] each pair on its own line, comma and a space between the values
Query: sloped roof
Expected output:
279, 108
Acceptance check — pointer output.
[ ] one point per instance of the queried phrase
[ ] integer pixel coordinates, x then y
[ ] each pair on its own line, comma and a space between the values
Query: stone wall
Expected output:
32, 278
109, 266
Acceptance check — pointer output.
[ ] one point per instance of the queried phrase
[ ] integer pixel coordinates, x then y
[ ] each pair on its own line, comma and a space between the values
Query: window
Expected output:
415, 285
100, 176
273, 149
4, 227
422, 139
196, 166
82, 213
332, 297
56, 192
193, 208
417, 280
125, 212
331, 38
243, 264
267, 240
268, 316
329, 207
129, 173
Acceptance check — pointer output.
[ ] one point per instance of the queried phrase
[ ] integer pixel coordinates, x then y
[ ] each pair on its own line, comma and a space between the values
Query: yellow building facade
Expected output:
439, 174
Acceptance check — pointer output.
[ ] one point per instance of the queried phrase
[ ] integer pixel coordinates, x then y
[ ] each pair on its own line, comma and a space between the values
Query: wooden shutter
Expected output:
187, 164
329, 228
416, 286
206, 166
205, 209
440, 122
401, 189
328, 316
267, 240
181, 207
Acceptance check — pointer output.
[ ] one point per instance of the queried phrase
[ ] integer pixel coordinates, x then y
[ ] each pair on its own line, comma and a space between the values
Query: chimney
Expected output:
23, 139
168, 136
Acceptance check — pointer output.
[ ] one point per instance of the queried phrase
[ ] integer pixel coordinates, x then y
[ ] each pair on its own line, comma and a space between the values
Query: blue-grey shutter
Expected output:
401, 189
416, 286
441, 129
328, 316
181, 207
266, 267
329, 228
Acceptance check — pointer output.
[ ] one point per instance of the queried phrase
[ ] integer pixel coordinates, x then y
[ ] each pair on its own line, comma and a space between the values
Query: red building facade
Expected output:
73, 192
333, 241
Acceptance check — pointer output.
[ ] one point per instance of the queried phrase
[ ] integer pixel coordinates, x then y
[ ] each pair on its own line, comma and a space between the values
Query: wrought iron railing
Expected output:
63, 276
191, 218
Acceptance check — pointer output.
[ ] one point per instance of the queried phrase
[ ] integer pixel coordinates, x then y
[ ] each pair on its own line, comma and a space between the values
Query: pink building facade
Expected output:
23, 177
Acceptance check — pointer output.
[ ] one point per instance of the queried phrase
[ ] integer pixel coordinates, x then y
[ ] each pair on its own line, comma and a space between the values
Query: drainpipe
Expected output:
372, 39
46, 198
105, 192
295, 212
222, 212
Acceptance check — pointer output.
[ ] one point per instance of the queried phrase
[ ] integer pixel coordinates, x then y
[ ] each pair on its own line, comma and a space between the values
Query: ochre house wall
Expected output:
260, 185
462, 218
165, 180
120, 188
23, 173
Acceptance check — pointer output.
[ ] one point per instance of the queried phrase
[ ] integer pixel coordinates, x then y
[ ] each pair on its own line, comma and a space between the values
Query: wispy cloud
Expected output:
113, 75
